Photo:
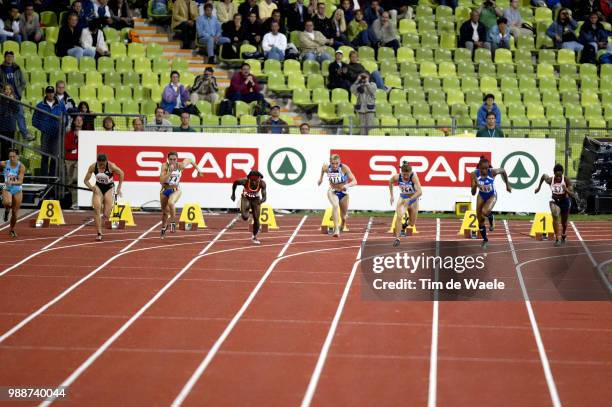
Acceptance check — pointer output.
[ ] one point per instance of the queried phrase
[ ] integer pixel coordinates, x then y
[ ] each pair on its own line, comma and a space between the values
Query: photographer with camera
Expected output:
489, 13
366, 101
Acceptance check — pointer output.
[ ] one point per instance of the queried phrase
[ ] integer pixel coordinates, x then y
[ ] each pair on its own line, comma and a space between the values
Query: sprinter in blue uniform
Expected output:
410, 191
12, 194
483, 181
340, 180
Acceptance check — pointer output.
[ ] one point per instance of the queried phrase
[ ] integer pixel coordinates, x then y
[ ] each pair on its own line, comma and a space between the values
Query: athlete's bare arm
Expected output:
263, 192
568, 186
392, 182
418, 192
164, 175
88, 175
543, 178
502, 172
21, 175
352, 180
116, 170
189, 161
474, 183
239, 181
323, 171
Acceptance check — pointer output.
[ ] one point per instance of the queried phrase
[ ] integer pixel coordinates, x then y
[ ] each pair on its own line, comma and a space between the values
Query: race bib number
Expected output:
486, 188
557, 189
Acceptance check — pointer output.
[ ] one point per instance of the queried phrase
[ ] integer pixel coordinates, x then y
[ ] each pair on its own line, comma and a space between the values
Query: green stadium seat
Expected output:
48, 19
589, 98
543, 14
123, 64
383, 108
567, 85
524, 69
75, 78
345, 109
459, 109
405, 54
443, 55
411, 40
133, 79
136, 49
573, 111
545, 70
568, 71
430, 40
503, 56
154, 50
277, 83
407, 26
69, 64
52, 63
142, 64
526, 42
473, 97
112, 106
465, 69
420, 110
447, 69
408, 69
482, 55
117, 49
292, 67
180, 65
448, 41
112, 79
105, 93
106, 65
210, 120
386, 54
250, 121
310, 67
401, 109
469, 83
51, 34
428, 69
132, 107
123, 93
28, 48
366, 53
111, 35
33, 63
439, 110
301, 98
431, 83
535, 111
566, 56
314, 81
38, 77
161, 65
93, 78
56, 76
488, 84
454, 96
451, 83
320, 95
327, 112
393, 81
436, 96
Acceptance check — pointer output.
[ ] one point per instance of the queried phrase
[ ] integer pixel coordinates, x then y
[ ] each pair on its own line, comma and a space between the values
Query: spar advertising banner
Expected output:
292, 165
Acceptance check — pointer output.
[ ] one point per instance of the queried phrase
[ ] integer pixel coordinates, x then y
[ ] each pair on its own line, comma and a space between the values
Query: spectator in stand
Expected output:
606, 9
562, 31
160, 123
69, 40
29, 25
304, 128
499, 36
244, 86
266, 7
358, 32
473, 34
88, 118
274, 43
137, 124
399, 9
92, 39
248, 7
313, 44
8, 113
184, 14
448, 3
234, 30
63, 97
12, 74
321, 23
515, 20
491, 129
84, 16
489, 13
185, 126
49, 128
56, 6
205, 86
108, 124
594, 34
584, 8
276, 17
123, 14
297, 14
338, 73
339, 29
175, 98
104, 14
209, 32
385, 32
253, 31
226, 11
348, 9
274, 124
9, 32
71, 154
487, 107
366, 101
355, 69
12, 24
373, 13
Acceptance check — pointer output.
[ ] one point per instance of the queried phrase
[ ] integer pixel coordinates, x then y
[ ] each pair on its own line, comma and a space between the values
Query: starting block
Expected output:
469, 225
115, 224
327, 225
410, 230
122, 212
43, 223
51, 211
191, 214
542, 226
188, 226
267, 220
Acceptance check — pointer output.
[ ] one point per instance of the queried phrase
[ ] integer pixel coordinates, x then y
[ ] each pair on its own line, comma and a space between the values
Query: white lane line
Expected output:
92, 358
126, 248
550, 381
59, 239
8, 224
316, 374
433, 357
600, 267
228, 329
58, 298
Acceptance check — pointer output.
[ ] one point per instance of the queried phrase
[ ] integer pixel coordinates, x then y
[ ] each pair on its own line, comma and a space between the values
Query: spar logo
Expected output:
219, 164
287, 166
522, 169
434, 168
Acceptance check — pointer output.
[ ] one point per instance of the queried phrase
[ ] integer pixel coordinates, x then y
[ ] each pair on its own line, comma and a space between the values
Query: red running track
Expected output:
238, 325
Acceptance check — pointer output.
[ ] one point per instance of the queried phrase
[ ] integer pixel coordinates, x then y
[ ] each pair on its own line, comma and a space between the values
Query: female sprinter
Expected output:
103, 189
483, 180
14, 172
170, 177
410, 191
340, 180
560, 204
253, 185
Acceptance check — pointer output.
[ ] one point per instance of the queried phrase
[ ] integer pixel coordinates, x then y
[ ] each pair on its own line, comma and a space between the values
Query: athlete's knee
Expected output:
245, 216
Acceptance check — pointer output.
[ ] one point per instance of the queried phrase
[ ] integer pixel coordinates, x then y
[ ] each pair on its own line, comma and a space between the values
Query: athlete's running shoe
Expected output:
557, 243
99, 237
6, 214
396, 242
255, 240
563, 239
491, 223
484, 244
336, 232
172, 227
163, 233
13, 234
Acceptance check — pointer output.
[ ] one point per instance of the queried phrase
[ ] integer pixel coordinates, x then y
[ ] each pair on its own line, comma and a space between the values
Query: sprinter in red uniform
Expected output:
253, 195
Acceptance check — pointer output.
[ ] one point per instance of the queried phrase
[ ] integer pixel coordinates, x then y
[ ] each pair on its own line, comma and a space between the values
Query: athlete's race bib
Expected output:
102, 179
557, 189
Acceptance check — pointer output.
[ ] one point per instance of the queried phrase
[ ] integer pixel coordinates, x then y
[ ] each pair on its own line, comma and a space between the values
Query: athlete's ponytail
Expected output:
405, 167
484, 160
